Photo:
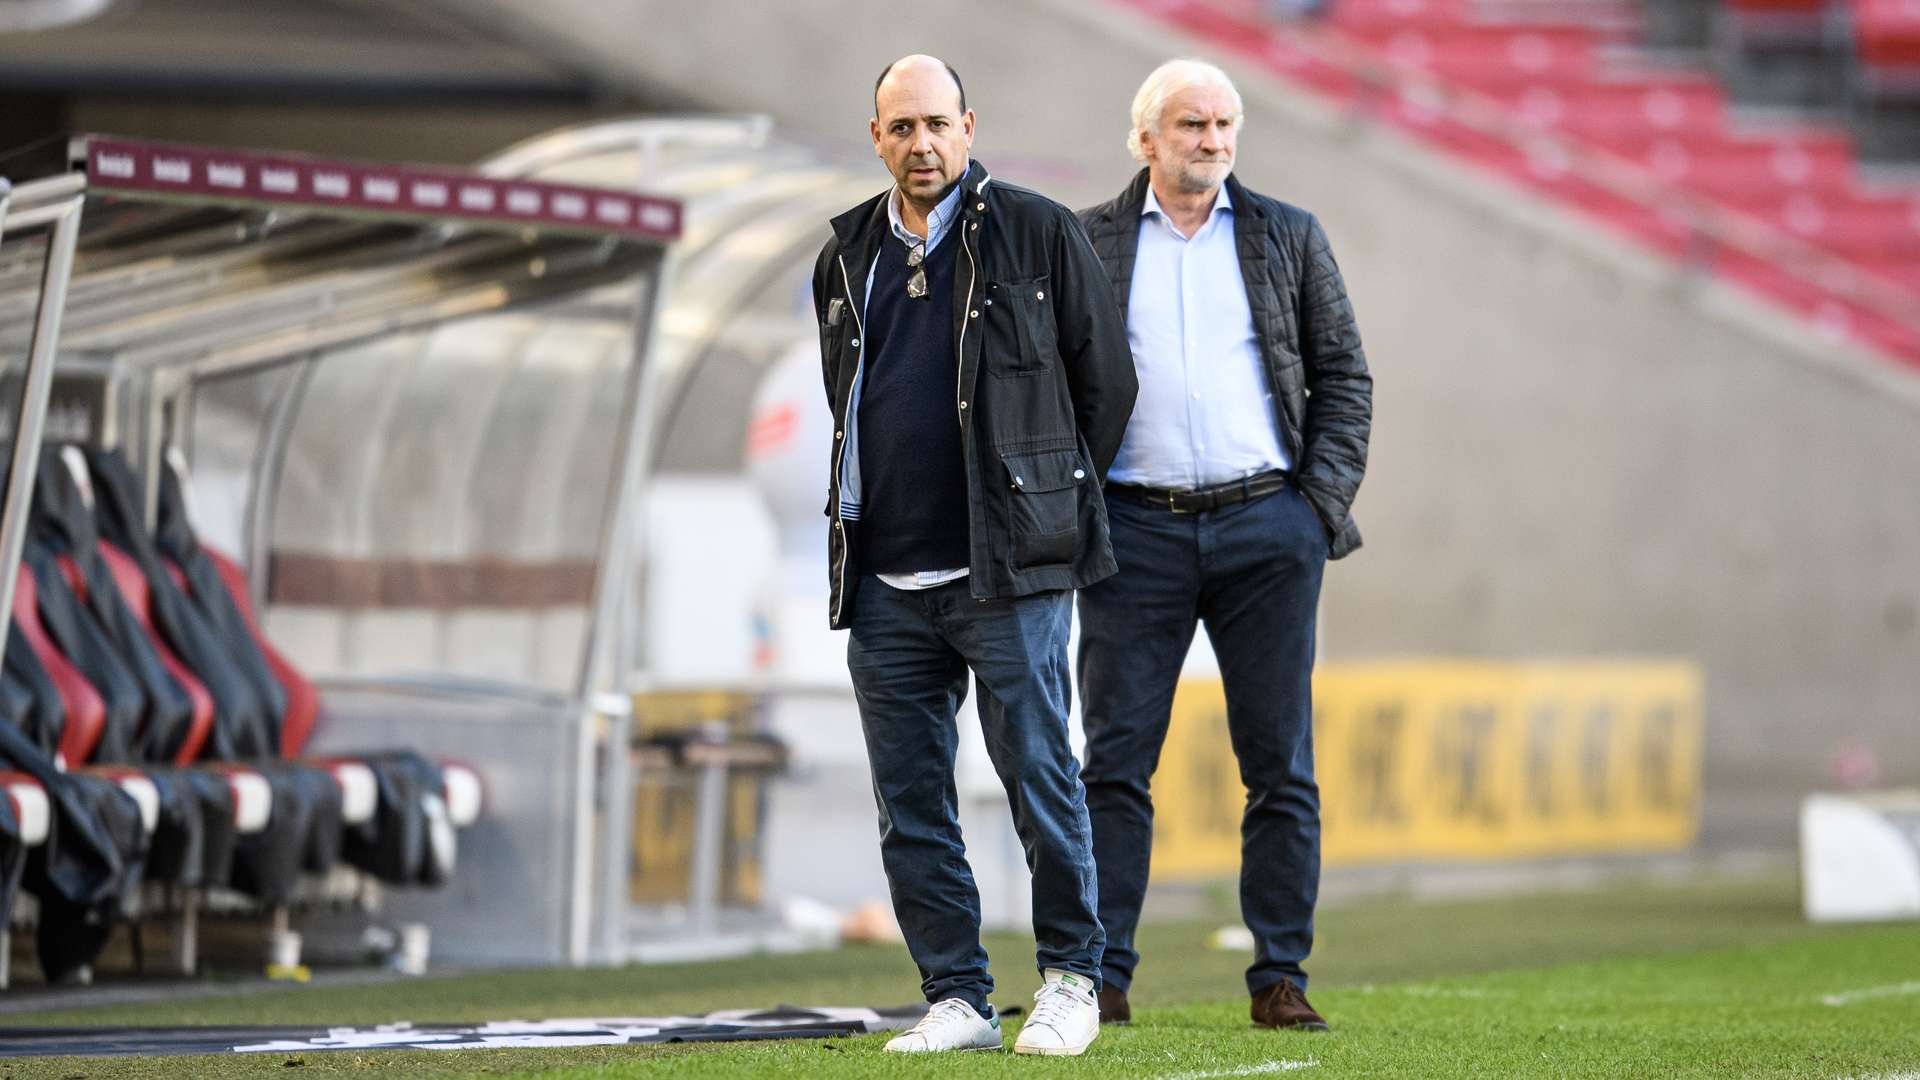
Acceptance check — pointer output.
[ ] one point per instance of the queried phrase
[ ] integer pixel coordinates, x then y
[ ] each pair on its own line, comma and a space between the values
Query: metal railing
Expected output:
53, 205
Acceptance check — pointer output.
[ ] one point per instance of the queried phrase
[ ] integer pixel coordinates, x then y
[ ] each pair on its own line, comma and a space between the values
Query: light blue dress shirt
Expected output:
939, 221
1205, 412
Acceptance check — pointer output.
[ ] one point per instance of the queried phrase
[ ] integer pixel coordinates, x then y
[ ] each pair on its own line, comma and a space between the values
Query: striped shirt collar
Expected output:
937, 222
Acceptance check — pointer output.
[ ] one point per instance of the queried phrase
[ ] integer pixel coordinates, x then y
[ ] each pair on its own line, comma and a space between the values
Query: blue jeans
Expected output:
1251, 572
909, 654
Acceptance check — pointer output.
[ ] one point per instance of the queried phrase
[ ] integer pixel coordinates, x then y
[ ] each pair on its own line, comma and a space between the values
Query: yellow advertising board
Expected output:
665, 801
1455, 760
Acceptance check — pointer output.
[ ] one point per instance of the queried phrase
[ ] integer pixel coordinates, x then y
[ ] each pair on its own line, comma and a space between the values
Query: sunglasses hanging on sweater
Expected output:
917, 284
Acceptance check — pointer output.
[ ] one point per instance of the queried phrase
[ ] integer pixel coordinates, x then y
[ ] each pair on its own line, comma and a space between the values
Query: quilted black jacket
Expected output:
1307, 337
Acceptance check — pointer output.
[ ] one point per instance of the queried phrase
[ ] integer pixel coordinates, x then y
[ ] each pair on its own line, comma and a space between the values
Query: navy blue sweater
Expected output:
913, 481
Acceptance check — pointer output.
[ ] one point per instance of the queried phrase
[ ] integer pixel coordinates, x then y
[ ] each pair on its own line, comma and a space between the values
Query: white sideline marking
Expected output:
1871, 992
1888, 1076
1261, 1069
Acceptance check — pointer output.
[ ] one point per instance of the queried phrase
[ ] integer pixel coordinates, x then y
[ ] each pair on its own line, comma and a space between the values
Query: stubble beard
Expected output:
1200, 177
932, 198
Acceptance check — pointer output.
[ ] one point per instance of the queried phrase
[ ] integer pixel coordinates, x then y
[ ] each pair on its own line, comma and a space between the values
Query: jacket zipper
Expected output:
840, 454
960, 354
960, 347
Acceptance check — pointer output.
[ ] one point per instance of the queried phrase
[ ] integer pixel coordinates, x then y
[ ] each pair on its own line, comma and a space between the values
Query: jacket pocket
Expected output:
1331, 520
834, 347
1022, 307
1044, 518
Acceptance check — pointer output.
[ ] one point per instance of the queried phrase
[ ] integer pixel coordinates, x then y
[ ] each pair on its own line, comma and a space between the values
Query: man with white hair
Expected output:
1231, 489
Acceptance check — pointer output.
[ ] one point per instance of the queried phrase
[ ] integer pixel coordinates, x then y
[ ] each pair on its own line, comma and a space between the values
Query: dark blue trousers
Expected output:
909, 654
1251, 573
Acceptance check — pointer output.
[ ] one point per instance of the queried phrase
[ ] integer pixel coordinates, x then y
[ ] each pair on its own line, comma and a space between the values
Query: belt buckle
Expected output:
1173, 506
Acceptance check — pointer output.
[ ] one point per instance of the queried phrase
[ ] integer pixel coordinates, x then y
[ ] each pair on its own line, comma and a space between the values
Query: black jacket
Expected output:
100, 634
1307, 338
1042, 396
246, 718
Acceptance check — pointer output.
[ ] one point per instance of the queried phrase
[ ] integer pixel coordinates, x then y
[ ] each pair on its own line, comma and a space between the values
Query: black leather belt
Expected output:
1202, 499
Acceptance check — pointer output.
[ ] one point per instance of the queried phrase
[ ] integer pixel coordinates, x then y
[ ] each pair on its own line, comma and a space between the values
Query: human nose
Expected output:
922, 140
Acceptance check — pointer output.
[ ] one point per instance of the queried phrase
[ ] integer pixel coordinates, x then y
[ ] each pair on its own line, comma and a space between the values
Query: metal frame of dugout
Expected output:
305, 336
756, 208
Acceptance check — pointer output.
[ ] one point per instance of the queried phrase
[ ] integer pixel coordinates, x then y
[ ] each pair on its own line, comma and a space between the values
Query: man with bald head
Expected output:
978, 371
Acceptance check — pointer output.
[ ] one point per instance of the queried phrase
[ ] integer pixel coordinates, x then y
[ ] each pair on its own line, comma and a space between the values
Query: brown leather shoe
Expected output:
1113, 1006
1283, 1005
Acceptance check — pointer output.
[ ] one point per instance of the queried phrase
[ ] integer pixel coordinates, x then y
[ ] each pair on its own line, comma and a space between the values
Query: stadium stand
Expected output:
1564, 99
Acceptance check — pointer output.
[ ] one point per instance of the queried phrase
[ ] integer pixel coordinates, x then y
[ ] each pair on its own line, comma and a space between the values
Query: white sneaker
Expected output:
1065, 1017
949, 1025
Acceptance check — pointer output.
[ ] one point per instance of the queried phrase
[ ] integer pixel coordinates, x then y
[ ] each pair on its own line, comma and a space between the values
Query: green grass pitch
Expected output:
1719, 979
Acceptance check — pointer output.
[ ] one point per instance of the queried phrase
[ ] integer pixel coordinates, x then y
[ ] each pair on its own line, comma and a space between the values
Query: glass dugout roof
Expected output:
219, 259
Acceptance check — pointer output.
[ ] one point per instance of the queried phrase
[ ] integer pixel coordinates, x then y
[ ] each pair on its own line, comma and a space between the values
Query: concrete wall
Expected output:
1579, 450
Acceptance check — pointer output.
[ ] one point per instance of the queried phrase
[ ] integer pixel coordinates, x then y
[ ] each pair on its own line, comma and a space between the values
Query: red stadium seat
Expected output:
1902, 270
1616, 111
86, 714
1856, 226
1375, 17
1473, 54
1887, 32
133, 589
1739, 168
303, 699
